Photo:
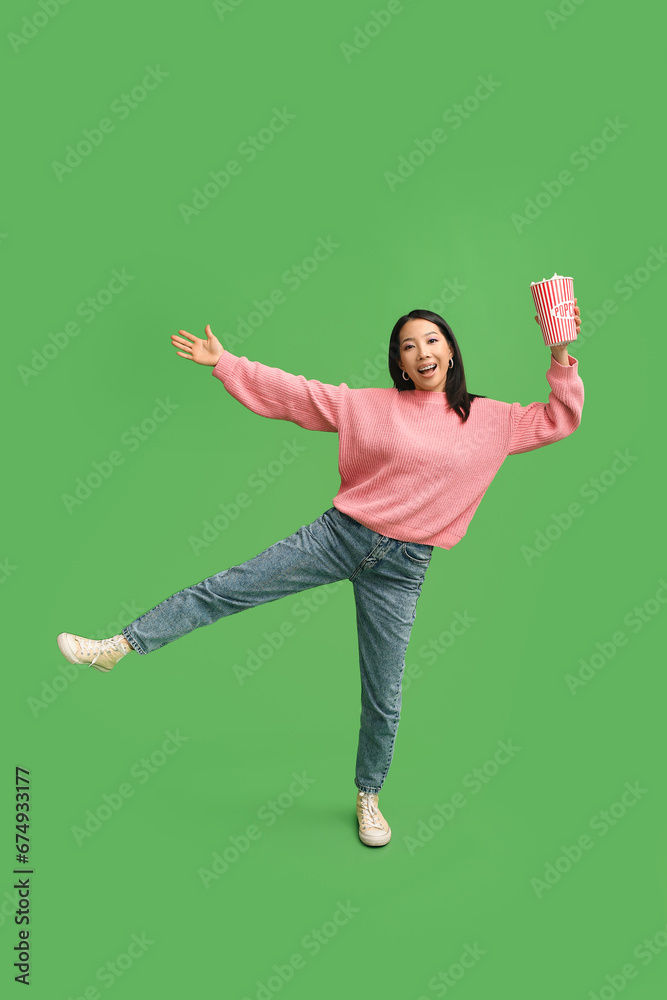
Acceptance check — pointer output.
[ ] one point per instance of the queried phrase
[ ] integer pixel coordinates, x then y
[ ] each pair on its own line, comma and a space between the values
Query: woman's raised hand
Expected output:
577, 318
203, 352
560, 351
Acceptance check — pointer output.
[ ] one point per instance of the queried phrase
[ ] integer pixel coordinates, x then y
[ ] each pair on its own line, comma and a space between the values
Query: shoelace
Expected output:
369, 813
105, 646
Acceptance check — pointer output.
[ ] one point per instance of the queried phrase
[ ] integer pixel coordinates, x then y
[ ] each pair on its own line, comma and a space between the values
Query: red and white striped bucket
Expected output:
554, 301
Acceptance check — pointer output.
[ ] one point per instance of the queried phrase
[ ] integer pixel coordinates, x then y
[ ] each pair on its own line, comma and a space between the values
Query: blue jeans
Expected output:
387, 577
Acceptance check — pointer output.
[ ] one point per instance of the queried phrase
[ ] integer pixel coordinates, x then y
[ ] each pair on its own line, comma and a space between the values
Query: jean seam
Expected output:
419, 562
369, 791
133, 642
390, 752
364, 562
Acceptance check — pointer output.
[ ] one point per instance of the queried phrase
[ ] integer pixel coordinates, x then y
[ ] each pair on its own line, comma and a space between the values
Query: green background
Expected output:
93, 567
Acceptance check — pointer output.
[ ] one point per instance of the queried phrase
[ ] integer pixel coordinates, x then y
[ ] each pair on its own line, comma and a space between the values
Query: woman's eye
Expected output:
431, 339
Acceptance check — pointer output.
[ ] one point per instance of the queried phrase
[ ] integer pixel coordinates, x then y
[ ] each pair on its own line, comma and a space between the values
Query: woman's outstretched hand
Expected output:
203, 352
560, 351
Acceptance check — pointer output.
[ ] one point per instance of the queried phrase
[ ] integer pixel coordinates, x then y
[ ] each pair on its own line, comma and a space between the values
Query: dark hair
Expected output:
458, 396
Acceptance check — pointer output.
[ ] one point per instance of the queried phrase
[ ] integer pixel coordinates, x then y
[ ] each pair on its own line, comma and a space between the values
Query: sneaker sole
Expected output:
380, 842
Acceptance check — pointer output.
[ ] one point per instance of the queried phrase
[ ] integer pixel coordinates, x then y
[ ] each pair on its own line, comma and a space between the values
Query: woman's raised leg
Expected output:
303, 560
318, 553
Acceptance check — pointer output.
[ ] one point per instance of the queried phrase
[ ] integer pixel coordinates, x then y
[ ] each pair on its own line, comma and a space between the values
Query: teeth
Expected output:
426, 368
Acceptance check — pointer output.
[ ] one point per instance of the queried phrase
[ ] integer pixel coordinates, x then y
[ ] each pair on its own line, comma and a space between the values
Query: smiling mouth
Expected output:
427, 371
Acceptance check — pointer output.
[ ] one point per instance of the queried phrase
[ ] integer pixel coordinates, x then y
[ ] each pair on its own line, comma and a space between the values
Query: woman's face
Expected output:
421, 343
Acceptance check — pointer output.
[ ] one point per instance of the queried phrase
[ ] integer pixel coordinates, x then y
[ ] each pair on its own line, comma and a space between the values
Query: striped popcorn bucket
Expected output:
554, 301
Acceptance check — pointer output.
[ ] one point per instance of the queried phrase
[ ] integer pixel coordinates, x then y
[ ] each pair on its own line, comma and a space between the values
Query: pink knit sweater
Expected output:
409, 468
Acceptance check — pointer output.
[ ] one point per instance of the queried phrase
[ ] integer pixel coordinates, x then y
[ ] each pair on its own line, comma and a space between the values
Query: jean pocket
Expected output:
417, 553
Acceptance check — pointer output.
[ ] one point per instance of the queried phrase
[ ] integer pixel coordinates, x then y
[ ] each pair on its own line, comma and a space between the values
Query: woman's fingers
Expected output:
186, 334
185, 350
180, 341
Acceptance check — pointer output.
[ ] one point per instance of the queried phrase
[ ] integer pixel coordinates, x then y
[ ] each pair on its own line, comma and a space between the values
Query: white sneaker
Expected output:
373, 827
102, 654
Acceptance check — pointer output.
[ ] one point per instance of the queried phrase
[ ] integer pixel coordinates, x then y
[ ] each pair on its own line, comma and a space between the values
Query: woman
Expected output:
415, 461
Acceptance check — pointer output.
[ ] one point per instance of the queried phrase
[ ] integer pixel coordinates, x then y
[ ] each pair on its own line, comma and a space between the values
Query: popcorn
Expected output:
554, 301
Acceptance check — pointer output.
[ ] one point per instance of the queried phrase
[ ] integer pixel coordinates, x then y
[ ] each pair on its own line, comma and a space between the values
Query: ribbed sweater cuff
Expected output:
225, 367
572, 365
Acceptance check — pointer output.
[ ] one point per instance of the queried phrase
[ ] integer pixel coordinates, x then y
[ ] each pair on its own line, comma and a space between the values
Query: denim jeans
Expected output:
387, 577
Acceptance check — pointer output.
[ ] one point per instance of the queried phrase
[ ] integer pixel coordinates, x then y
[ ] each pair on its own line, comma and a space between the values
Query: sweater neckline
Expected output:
428, 396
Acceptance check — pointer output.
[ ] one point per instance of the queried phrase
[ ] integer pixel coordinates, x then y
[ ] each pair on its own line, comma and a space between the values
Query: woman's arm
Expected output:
539, 424
269, 392
560, 351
